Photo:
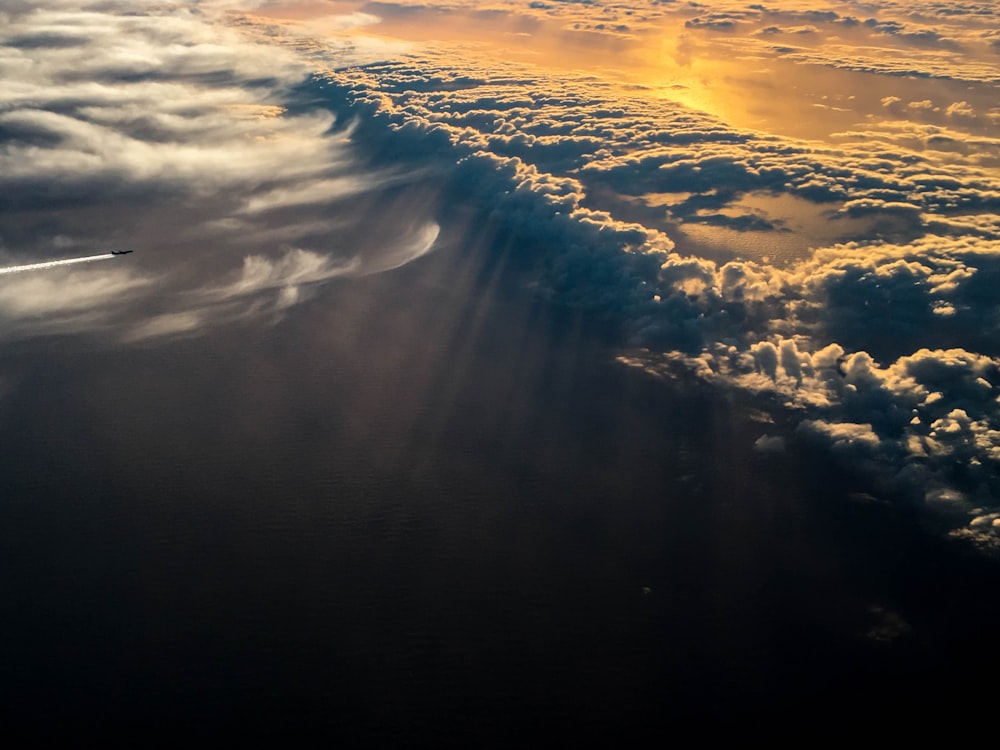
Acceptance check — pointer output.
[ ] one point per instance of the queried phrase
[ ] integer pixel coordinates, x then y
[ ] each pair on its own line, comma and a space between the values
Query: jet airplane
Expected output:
121, 252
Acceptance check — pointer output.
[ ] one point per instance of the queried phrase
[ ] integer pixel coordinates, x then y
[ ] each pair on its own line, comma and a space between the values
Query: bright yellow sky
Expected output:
736, 74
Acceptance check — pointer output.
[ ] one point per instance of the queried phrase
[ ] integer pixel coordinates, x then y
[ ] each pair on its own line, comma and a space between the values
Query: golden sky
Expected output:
802, 69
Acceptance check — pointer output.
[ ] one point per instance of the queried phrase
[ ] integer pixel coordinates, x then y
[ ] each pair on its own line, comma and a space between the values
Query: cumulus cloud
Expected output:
843, 436
960, 109
580, 175
801, 330
769, 444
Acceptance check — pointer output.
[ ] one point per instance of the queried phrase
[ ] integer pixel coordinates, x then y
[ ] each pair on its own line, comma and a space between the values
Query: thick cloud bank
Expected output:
874, 320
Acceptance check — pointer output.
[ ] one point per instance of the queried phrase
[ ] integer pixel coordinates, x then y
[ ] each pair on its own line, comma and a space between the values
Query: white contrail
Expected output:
54, 263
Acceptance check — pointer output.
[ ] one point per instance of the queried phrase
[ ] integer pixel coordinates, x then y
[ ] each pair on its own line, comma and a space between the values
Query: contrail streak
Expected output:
54, 263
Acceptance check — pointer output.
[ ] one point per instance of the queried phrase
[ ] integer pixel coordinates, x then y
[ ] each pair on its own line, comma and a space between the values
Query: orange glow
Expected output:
751, 76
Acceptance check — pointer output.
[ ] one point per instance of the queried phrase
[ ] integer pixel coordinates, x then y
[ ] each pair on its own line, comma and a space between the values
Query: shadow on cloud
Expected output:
915, 394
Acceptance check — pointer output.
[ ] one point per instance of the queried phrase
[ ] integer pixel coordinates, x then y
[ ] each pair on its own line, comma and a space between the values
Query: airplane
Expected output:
121, 252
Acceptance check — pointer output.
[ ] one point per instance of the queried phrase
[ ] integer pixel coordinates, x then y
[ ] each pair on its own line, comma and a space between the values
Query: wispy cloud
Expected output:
183, 133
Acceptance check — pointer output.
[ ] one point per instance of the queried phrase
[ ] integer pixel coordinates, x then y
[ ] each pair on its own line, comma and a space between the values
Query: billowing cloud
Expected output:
916, 251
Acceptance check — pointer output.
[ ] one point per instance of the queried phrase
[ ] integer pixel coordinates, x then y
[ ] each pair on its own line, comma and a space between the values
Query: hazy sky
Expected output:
793, 199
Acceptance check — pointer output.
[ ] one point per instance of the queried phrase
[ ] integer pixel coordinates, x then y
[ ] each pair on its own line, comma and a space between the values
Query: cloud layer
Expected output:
830, 244
878, 329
